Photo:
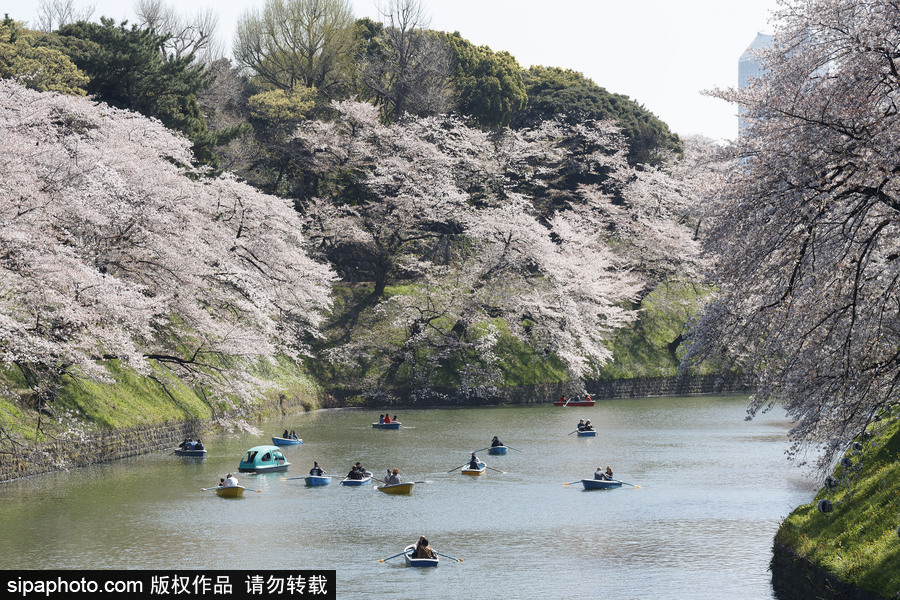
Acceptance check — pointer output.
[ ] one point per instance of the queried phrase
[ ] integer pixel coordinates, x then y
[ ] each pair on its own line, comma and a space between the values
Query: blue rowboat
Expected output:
263, 459
314, 480
391, 425
418, 562
600, 484
190, 453
363, 481
587, 433
280, 441
498, 450
467, 470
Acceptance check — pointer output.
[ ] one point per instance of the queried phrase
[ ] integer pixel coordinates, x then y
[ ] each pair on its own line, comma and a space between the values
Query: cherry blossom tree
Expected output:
111, 248
487, 242
806, 232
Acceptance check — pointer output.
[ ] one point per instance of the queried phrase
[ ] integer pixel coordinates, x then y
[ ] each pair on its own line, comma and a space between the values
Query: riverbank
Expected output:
845, 544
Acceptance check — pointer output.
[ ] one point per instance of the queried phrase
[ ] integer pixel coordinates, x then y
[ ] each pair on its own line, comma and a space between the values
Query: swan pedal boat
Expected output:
587, 433
365, 480
391, 425
418, 562
230, 491
263, 459
600, 484
280, 441
467, 470
396, 488
498, 450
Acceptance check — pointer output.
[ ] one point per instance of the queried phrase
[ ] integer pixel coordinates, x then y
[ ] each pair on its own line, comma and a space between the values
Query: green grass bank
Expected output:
857, 542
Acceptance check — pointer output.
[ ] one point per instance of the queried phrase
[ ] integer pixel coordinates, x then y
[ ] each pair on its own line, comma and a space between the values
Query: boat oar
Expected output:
571, 483
516, 449
498, 470
626, 483
305, 476
450, 557
457, 468
207, 489
571, 432
481, 450
390, 557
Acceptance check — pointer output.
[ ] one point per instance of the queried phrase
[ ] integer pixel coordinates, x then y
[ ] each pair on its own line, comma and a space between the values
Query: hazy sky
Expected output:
658, 52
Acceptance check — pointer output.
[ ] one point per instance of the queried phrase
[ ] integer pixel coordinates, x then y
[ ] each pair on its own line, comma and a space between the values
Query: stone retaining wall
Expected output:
110, 445
797, 578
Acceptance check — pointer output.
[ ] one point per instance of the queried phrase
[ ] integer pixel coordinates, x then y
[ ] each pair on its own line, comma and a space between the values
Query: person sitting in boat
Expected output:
580, 424
395, 419
354, 473
293, 434
231, 480
562, 399
184, 445
198, 445
381, 418
587, 398
474, 462
316, 471
286, 435
392, 477
496, 442
423, 550
608, 474
387, 419
362, 470
221, 481
587, 426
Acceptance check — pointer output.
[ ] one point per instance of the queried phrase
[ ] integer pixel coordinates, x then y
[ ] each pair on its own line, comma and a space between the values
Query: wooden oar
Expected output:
305, 476
390, 557
481, 450
626, 483
459, 467
516, 449
450, 557
571, 483
212, 488
228, 486
571, 432
493, 469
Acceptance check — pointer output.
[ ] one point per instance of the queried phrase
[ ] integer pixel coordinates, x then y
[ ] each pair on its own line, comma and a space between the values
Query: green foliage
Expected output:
489, 84
280, 110
128, 69
652, 346
858, 541
25, 57
569, 95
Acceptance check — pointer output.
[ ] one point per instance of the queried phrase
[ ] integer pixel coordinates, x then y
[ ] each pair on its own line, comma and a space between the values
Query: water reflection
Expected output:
713, 490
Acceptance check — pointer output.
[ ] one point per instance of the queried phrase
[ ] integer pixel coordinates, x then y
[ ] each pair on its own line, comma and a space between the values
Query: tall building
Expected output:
749, 67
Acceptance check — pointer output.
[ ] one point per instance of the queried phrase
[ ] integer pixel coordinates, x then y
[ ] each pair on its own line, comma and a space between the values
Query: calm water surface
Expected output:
713, 490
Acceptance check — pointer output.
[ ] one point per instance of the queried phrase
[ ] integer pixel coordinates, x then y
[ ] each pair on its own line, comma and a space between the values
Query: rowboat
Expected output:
600, 484
573, 403
230, 491
418, 562
190, 453
263, 459
587, 433
314, 480
498, 450
391, 425
363, 481
467, 470
396, 488
280, 441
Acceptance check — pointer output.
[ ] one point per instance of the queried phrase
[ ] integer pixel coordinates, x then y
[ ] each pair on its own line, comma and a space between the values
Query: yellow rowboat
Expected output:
470, 471
397, 488
230, 491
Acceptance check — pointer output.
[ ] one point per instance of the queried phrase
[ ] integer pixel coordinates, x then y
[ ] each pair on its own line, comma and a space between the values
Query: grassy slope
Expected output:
133, 400
858, 541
